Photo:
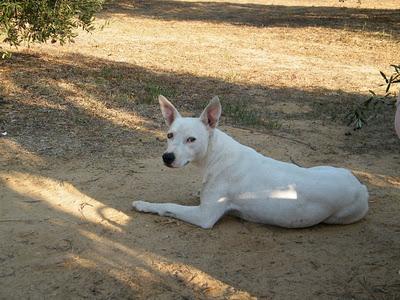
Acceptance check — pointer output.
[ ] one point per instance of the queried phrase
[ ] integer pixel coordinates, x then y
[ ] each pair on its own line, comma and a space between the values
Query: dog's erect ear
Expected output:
210, 115
169, 111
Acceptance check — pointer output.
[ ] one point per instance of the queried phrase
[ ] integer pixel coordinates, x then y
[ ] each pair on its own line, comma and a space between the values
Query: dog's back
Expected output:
269, 191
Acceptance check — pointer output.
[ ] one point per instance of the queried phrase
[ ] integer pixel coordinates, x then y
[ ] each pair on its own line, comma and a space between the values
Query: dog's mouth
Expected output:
173, 167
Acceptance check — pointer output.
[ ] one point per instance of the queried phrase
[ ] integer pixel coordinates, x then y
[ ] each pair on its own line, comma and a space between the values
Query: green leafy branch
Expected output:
359, 115
42, 20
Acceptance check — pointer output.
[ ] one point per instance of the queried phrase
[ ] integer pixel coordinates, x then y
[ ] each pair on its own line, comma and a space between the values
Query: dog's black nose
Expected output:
168, 158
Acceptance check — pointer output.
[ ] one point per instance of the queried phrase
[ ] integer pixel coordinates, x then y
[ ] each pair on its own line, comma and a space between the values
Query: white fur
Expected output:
237, 180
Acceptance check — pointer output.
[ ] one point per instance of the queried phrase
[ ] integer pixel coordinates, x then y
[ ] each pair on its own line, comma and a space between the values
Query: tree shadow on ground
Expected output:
82, 105
356, 19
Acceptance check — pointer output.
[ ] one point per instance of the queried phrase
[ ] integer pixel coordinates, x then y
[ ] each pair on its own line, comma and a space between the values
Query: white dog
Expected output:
237, 180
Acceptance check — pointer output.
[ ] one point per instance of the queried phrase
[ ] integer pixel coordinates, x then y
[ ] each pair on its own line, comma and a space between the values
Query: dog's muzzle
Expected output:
168, 158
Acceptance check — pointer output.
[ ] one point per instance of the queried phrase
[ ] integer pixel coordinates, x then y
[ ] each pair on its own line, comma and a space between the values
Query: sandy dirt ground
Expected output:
85, 138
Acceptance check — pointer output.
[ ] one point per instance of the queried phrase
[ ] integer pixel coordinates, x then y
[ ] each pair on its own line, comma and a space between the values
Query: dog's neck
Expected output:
219, 148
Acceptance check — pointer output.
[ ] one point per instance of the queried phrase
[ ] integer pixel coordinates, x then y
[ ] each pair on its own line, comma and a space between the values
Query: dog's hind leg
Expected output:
204, 216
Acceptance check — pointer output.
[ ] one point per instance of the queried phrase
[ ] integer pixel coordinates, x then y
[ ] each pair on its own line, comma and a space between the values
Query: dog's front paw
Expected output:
140, 206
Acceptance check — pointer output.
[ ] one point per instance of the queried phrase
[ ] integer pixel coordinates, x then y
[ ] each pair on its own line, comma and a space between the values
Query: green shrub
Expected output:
360, 113
42, 20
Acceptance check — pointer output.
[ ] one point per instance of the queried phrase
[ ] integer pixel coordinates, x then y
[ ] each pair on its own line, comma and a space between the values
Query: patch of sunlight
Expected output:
10, 149
287, 193
191, 276
22, 96
385, 4
222, 199
83, 262
100, 109
379, 179
64, 197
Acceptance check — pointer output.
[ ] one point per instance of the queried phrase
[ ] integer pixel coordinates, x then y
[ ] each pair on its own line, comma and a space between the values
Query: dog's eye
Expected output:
170, 135
190, 139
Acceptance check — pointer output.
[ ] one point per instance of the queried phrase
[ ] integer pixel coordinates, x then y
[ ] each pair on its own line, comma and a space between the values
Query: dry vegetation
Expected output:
84, 135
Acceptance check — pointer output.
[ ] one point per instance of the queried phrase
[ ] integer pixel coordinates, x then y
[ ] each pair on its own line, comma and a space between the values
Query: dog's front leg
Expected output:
204, 216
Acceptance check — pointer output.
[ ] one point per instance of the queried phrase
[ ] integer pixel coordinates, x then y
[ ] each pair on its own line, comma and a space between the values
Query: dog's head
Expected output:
188, 137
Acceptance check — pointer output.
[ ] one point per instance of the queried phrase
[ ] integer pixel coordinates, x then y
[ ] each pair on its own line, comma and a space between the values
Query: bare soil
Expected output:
85, 136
